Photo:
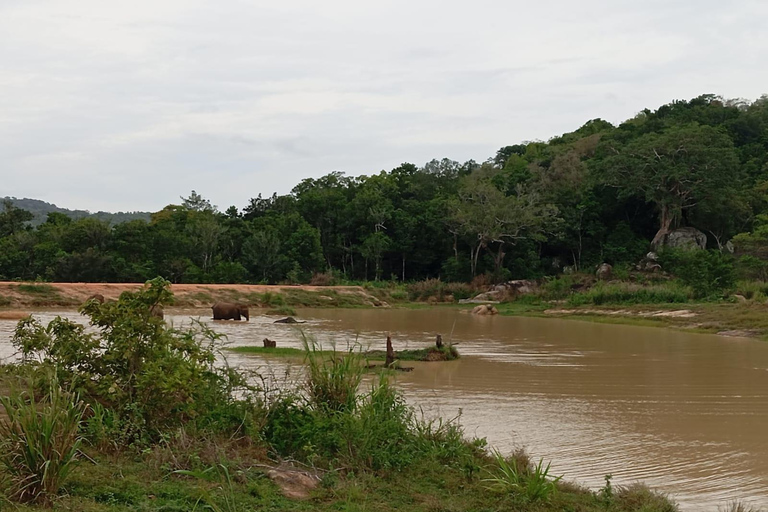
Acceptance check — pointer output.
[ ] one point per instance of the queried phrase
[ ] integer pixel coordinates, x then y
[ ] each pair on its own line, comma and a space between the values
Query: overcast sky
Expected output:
108, 105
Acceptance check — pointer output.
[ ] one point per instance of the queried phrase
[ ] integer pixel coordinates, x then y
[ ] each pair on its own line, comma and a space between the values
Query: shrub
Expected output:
152, 376
707, 272
323, 279
40, 442
437, 289
531, 482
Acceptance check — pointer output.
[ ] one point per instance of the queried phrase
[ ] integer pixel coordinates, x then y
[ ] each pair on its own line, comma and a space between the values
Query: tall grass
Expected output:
39, 442
628, 293
516, 475
333, 378
328, 421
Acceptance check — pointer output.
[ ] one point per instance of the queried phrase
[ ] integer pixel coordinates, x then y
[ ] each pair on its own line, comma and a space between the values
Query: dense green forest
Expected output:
601, 193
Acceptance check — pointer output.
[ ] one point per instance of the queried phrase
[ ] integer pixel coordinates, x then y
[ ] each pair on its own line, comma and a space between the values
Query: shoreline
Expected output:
739, 319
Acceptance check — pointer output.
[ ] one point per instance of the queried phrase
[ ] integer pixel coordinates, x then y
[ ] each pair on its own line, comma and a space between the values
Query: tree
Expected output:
674, 170
12, 219
494, 219
195, 202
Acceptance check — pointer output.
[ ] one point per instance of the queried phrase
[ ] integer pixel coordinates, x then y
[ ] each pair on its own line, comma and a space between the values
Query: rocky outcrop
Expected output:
685, 239
604, 272
650, 263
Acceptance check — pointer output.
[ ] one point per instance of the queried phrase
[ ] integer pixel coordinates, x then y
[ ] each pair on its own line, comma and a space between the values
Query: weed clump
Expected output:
39, 441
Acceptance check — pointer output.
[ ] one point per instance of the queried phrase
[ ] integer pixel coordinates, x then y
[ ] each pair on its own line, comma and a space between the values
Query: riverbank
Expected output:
743, 319
15, 295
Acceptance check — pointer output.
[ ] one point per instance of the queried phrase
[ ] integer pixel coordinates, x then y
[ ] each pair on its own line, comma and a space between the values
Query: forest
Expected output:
601, 193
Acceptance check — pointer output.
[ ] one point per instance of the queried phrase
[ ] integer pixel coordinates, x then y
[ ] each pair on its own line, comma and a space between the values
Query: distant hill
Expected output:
41, 209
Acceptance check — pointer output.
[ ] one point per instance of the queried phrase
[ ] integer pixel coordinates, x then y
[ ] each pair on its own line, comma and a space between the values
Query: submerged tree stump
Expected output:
390, 359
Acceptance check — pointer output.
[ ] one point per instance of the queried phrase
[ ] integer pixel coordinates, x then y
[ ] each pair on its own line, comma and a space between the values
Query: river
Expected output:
685, 413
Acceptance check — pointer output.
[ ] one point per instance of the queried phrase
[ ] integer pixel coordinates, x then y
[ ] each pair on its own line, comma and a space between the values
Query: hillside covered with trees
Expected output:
40, 210
601, 193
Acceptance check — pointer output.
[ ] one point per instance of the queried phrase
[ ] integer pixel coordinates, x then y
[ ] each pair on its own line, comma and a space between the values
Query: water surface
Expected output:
685, 413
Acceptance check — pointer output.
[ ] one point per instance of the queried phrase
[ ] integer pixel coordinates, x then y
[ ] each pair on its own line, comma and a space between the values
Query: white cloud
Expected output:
117, 105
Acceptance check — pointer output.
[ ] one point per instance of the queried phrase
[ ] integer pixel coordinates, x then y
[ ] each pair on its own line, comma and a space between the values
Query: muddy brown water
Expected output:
685, 413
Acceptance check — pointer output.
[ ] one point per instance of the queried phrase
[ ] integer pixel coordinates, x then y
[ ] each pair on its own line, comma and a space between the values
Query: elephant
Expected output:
288, 320
229, 311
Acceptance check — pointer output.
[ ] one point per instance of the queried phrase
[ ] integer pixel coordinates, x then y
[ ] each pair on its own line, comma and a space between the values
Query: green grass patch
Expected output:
447, 353
282, 311
37, 289
629, 293
277, 351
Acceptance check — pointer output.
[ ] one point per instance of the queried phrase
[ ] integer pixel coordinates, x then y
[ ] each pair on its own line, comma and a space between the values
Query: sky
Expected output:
124, 106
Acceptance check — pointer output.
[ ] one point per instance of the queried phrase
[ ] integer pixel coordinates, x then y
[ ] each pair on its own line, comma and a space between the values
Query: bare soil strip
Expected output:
16, 294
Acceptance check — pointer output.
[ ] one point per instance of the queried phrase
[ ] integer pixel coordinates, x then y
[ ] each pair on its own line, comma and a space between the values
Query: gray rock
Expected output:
729, 247
685, 239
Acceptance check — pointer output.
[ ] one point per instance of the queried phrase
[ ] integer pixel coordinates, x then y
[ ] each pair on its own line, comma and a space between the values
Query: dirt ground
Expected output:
16, 295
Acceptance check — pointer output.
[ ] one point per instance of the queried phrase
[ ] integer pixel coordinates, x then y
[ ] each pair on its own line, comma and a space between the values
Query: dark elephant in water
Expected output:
229, 311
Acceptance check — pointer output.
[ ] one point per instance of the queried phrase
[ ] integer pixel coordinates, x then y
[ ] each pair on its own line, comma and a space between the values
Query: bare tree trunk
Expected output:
498, 260
403, 267
665, 221
475, 256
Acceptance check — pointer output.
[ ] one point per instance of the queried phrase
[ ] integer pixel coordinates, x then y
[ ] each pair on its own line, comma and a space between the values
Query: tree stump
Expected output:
390, 360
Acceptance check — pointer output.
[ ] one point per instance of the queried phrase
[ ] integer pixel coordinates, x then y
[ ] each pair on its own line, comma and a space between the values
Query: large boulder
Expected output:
685, 239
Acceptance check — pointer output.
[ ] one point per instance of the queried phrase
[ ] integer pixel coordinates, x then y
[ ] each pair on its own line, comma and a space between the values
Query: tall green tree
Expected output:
674, 170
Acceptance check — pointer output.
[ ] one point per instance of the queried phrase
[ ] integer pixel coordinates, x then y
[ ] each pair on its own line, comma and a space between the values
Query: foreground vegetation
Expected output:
136, 416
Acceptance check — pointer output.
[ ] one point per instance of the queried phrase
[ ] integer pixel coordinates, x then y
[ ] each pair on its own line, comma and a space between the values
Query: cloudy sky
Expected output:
109, 105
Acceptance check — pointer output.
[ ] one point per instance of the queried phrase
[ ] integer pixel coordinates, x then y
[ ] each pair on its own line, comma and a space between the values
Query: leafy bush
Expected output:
439, 290
40, 442
152, 376
323, 279
707, 272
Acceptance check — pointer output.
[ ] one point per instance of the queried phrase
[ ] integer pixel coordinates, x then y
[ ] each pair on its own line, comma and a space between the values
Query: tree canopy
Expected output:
601, 193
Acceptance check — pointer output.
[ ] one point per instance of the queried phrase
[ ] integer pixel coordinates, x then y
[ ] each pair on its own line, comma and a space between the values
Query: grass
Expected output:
40, 441
282, 311
37, 289
630, 293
